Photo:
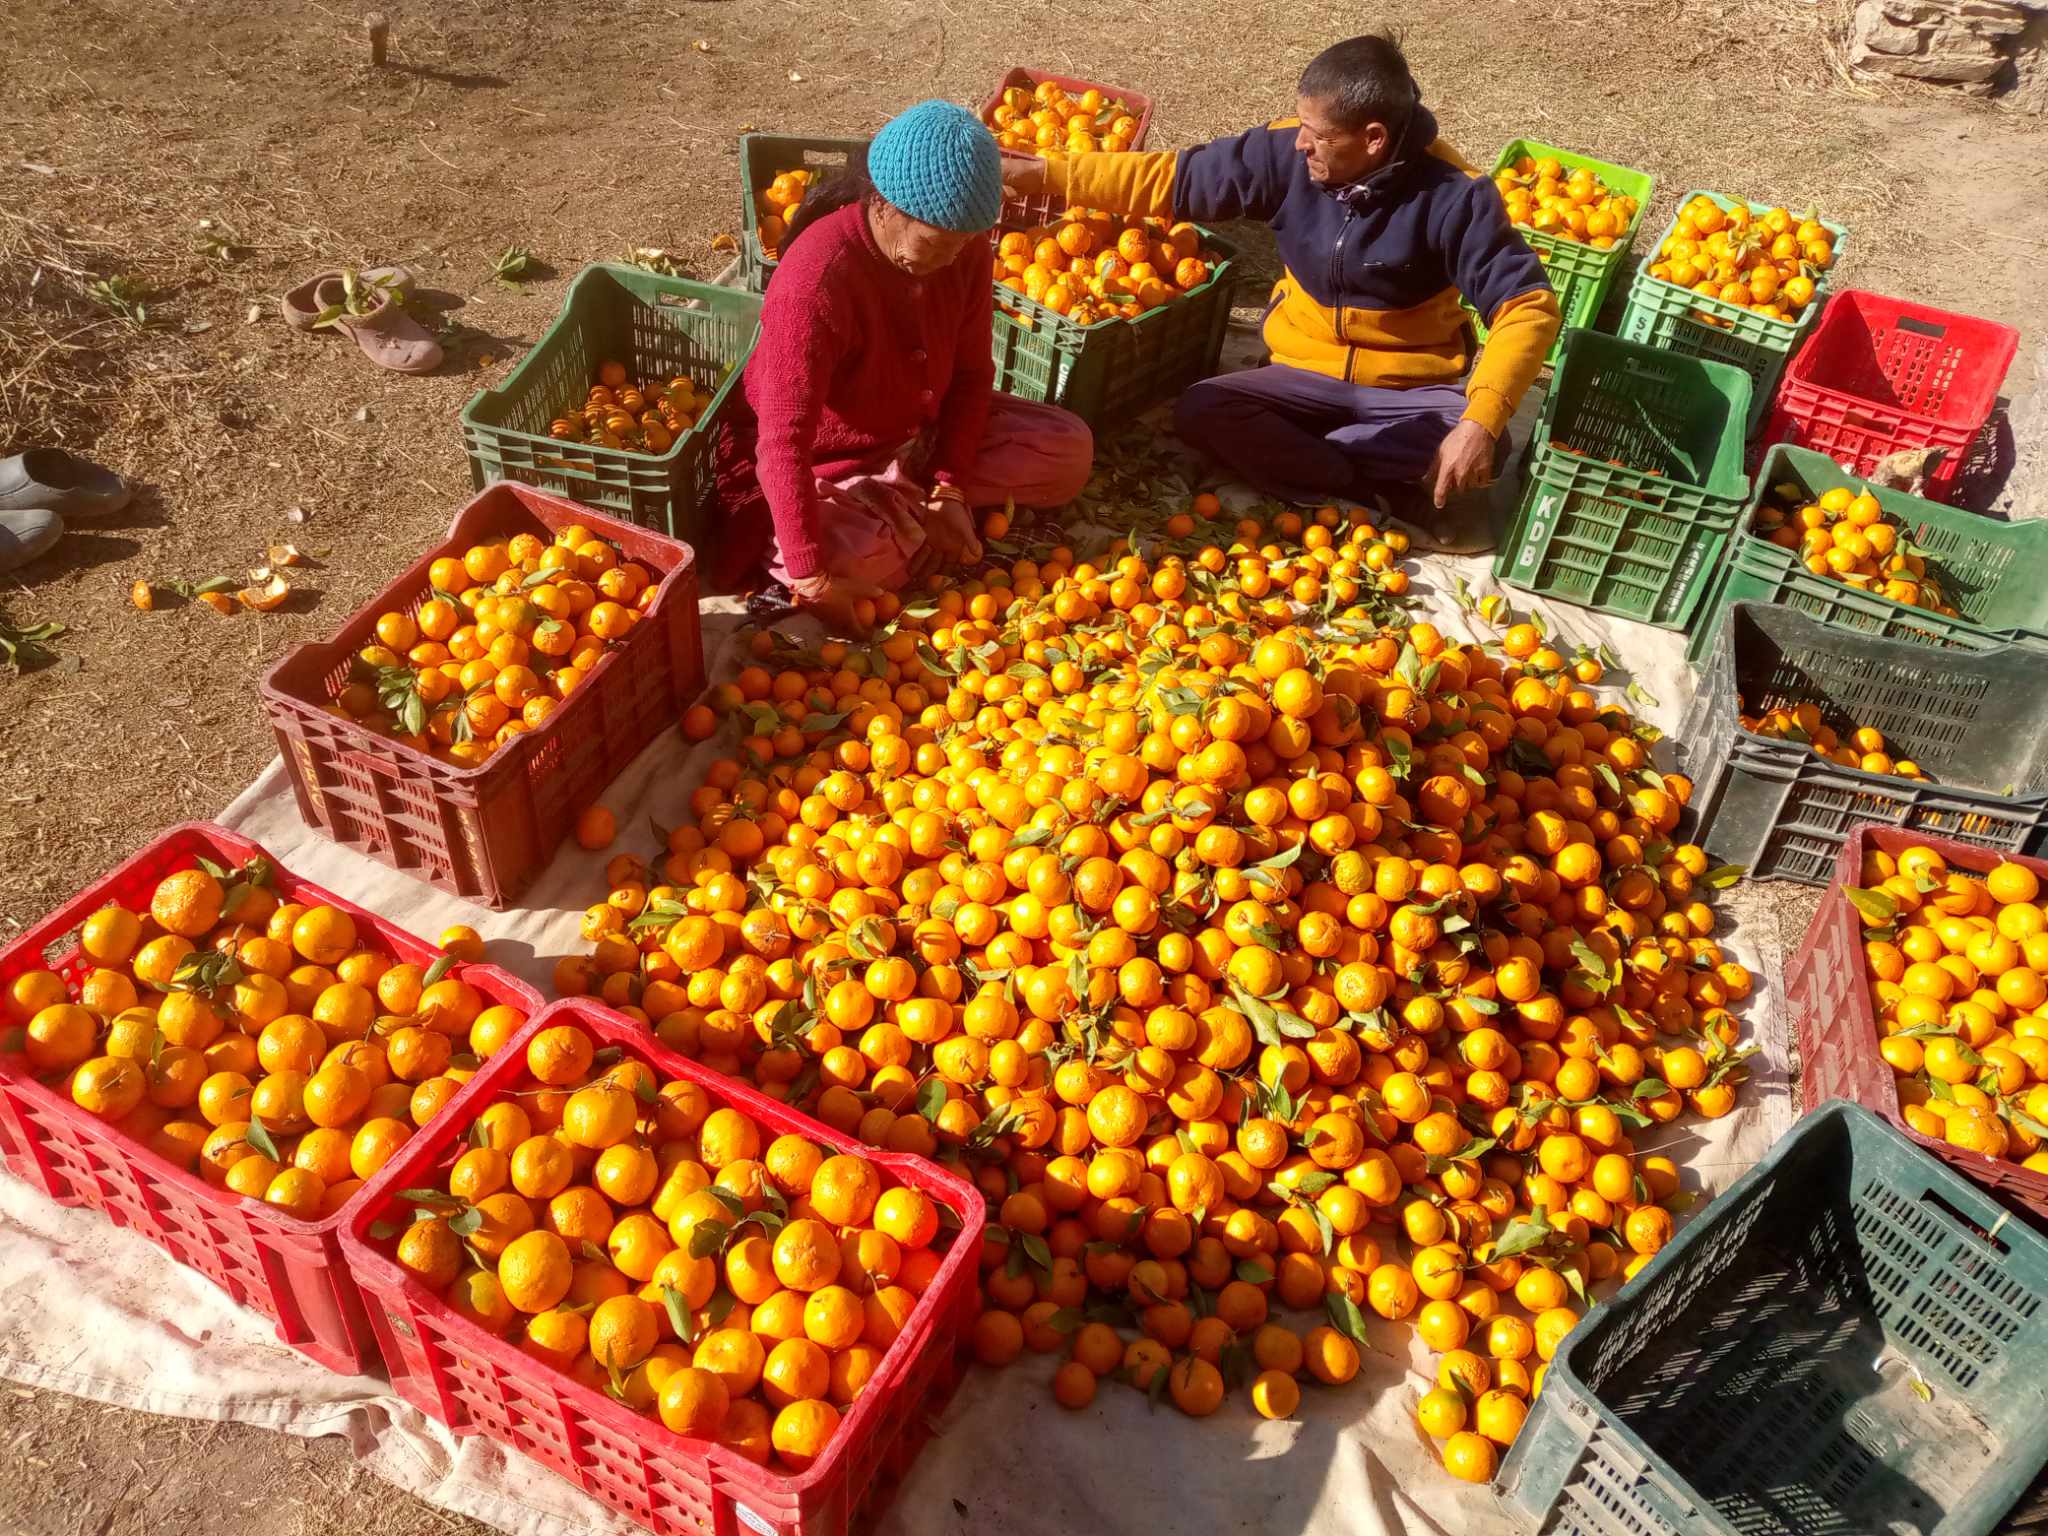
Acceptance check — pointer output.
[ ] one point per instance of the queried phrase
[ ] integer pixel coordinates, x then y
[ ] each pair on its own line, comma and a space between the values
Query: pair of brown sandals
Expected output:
369, 307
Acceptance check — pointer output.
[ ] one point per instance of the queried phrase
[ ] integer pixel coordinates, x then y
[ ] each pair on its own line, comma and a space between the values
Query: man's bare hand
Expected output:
1023, 175
834, 607
1464, 461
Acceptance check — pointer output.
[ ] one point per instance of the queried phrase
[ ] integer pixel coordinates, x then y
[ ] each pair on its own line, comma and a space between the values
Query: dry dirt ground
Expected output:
210, 154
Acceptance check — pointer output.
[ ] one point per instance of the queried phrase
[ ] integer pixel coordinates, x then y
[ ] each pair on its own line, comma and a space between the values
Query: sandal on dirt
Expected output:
389, 337
55, 481
302, 306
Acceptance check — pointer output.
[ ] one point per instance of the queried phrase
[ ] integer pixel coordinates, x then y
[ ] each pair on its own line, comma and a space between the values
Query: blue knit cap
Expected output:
939, 165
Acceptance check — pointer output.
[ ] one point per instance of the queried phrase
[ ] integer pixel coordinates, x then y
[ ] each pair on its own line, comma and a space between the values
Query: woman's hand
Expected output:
949, 537
833, 604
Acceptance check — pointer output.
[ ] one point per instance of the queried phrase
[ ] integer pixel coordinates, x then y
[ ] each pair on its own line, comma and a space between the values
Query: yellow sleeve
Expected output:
1130, 182
1518, 338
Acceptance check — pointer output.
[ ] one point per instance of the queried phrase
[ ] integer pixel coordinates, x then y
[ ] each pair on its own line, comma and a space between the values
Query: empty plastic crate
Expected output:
1633, 481
1879, 374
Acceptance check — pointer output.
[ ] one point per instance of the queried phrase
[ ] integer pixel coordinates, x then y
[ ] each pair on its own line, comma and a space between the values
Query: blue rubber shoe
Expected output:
53, 480
26, 536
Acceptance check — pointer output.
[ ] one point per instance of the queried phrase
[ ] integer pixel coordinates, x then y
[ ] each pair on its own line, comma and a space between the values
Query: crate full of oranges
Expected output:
217, 1054
749, 1312
461, 721
1734, 283
1965, 1075
1034, 113
777, 171
1107, 315
1580, 215
1884, 562
680, 345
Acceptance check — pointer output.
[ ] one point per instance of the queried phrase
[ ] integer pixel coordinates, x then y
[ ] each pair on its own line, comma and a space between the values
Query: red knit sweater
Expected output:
856, 359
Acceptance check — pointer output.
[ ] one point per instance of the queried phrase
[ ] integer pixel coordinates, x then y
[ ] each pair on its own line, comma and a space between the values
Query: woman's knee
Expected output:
1057, 456
1071, 452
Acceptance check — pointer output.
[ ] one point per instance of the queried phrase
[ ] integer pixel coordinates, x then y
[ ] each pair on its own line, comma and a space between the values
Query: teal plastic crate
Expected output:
659, 328
1852, 1340
1581, 275
763, 157
1661, 314
1115, 369
1991, 570
1633, 481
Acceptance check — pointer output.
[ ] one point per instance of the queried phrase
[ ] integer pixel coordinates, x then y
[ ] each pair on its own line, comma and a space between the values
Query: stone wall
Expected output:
1983, 47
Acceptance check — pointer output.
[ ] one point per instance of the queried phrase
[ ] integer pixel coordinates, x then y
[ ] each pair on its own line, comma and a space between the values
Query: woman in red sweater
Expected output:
868, 426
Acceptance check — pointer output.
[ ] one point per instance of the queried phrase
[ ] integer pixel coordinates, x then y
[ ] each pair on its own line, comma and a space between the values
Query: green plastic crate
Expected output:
1110, 371
1780, 810
1991, 570
1661, 314
764, 156
1853, 1339
1638, 538
660, 328
1581, 275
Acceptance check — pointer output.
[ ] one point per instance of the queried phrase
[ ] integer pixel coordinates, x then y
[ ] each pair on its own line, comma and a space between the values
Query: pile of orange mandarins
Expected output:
1094, 266
1542, 195
1762, 260
1861, 746
1266, 960
266, 1045
654, 1244
506, 632
619, 413
1845, 534
1035, 119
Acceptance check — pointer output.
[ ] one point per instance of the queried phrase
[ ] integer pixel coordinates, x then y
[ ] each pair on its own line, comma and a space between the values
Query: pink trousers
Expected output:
871, 521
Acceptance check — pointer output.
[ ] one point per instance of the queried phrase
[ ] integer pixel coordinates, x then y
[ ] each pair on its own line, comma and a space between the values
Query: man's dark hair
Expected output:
1365, 80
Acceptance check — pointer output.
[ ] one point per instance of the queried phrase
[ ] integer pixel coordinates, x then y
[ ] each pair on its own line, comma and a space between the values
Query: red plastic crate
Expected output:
1045, 207
289, 1270
455, 1371
485, 832
1828, 995
1880, 374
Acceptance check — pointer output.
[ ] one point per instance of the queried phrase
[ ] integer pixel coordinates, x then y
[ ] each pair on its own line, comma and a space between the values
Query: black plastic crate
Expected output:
1850, 1341
1970, 719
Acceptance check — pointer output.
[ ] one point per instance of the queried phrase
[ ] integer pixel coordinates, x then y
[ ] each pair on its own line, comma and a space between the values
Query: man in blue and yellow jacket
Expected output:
1381, 227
